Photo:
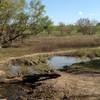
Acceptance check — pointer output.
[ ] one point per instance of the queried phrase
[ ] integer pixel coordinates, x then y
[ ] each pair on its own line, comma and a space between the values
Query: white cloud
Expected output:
80, 13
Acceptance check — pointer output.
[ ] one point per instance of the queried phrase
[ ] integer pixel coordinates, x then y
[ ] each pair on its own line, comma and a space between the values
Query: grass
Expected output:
35, 51
92, 66
27, 65
50, 44
54, 43
38, 62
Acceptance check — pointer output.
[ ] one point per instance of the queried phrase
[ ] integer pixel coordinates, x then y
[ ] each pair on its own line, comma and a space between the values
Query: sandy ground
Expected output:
67, 87
76, 87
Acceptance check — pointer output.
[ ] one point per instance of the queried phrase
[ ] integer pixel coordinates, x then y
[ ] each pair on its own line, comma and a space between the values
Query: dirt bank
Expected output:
67, 87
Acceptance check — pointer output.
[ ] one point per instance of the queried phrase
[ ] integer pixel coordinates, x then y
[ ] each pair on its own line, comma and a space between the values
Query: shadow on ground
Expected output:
91, 68
39, 77
26, 87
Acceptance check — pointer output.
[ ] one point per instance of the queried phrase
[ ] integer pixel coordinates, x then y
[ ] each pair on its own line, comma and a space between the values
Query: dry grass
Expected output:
48, 44
53, 43
29, 64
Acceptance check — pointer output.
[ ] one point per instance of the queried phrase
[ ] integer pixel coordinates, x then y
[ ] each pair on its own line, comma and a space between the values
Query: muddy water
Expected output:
59, 62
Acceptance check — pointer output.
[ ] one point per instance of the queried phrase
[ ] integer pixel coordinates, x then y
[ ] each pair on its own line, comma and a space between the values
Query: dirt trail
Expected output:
36, 54
53, 53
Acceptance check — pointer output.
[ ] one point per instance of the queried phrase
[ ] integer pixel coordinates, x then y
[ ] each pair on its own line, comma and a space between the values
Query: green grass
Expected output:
92, 66
14, 52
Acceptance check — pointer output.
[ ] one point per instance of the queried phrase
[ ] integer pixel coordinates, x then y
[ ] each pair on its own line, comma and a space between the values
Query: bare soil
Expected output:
67, 87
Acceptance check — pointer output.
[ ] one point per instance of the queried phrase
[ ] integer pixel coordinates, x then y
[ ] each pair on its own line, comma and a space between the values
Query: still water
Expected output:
59, 62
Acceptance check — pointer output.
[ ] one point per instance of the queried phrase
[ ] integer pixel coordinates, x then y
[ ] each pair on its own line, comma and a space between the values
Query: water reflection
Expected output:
61, 61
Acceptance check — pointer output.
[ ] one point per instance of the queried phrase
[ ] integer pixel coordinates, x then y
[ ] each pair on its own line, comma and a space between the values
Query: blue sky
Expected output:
69, 11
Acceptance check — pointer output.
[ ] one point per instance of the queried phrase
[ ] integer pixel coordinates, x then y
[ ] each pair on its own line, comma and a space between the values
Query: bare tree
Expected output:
86, 26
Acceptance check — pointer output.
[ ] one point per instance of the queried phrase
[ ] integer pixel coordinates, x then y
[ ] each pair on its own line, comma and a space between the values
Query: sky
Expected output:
69, 11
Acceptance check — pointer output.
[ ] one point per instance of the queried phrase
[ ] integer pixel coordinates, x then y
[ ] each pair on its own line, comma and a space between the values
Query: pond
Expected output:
59, 62
15, 91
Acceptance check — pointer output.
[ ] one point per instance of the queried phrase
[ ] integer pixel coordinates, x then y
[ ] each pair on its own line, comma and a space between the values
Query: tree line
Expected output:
22, 18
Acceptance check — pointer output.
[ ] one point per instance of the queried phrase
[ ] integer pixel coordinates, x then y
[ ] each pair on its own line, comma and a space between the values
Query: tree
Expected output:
18, 16
9, 22
62, 28
36, 14
47, 24
98, 28
86, 26
98, 24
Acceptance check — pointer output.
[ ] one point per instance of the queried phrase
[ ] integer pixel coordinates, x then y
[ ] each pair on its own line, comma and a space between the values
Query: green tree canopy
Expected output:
17, 16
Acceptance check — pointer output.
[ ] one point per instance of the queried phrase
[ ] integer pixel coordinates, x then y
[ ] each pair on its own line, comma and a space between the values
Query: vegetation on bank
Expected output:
37, 63
26, 65
52, 44
90, 67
